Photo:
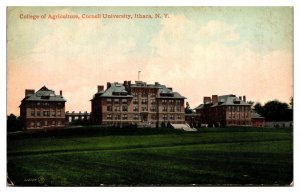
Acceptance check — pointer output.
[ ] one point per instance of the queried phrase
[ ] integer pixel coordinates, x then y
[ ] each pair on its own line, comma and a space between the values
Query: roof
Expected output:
44, 94
115, 90
118, 90
225, 100
255, 115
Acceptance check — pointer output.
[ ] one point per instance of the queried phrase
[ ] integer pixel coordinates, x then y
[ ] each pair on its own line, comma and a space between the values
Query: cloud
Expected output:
201, 65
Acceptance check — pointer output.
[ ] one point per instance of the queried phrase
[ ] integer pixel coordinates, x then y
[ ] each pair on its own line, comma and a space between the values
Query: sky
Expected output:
198, 51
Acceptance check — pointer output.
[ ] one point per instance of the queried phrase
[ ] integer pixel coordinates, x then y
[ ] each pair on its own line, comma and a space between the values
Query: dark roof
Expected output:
44, 94
118, 90
225, 100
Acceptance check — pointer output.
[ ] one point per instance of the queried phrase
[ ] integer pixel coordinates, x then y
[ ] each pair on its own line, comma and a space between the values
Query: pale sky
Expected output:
198, 51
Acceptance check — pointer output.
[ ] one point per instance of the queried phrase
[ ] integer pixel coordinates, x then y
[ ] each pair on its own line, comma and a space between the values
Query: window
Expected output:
164, 102
116, 101
144, 94
38, 113
135, 108
153, 94
177, 108
59, 113
109, 108
108, 101
135, 94
117, 108
46, 113
153, 109
135, 101
124, 101
109, 116
32, 112
124, 108
45, 123
117, 117
144, 109
164, 108
38, 124
32, 124
177, 102
172, 109
58, 123
38, 104
53, 114
124, 117
46, 104
136, 117
53, 122
178, 116
165, 117
144, 101
152, 101
171, 102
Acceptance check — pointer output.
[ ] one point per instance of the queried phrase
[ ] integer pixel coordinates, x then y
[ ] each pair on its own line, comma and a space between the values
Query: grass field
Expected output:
159, 157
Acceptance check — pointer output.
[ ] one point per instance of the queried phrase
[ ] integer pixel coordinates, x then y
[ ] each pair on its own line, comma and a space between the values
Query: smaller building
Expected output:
257, 120
225, 110
42, 109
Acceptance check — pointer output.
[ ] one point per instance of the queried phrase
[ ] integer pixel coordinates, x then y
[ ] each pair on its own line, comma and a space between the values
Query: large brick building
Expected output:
42, 109
224, 110
140, 104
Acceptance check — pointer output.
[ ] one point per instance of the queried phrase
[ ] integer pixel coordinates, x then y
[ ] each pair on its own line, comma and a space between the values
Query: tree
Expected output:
250, 102
277, 111
187, 109
258, 108
14, 123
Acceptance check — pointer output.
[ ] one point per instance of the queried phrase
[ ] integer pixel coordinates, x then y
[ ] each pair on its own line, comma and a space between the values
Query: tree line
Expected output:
275, 110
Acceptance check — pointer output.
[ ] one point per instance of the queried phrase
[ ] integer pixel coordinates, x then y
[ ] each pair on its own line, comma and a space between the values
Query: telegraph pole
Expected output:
139, 75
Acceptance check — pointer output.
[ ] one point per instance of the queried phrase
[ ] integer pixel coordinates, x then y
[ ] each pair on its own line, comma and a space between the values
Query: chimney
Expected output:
125, 82
156, 83
100, 88
108, 85
29, 92
214, 99
60, 92
170, 88
244, 98
240, 98
129, 83
206, 100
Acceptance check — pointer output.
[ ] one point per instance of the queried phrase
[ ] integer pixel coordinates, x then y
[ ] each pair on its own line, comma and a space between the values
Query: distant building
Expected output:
42, 109
224, 110
257, 120
142, 104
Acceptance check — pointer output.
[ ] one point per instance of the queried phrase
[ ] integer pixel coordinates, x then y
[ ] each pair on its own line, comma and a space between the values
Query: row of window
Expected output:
238, 108
39, 113
44, 123
144, 94
46, 103
233, 115
137, 117
117, 101
144, 101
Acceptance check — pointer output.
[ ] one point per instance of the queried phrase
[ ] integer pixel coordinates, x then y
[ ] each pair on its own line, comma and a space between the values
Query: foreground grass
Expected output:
221, 156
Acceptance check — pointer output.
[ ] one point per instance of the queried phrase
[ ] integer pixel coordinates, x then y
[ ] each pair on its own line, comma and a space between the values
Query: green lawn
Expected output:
211, 156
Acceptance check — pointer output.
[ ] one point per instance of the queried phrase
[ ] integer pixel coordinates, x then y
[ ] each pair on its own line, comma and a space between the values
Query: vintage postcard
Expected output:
149, 96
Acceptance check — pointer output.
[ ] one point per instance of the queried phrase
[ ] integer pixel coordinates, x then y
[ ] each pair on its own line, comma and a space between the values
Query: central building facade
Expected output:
142, 104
